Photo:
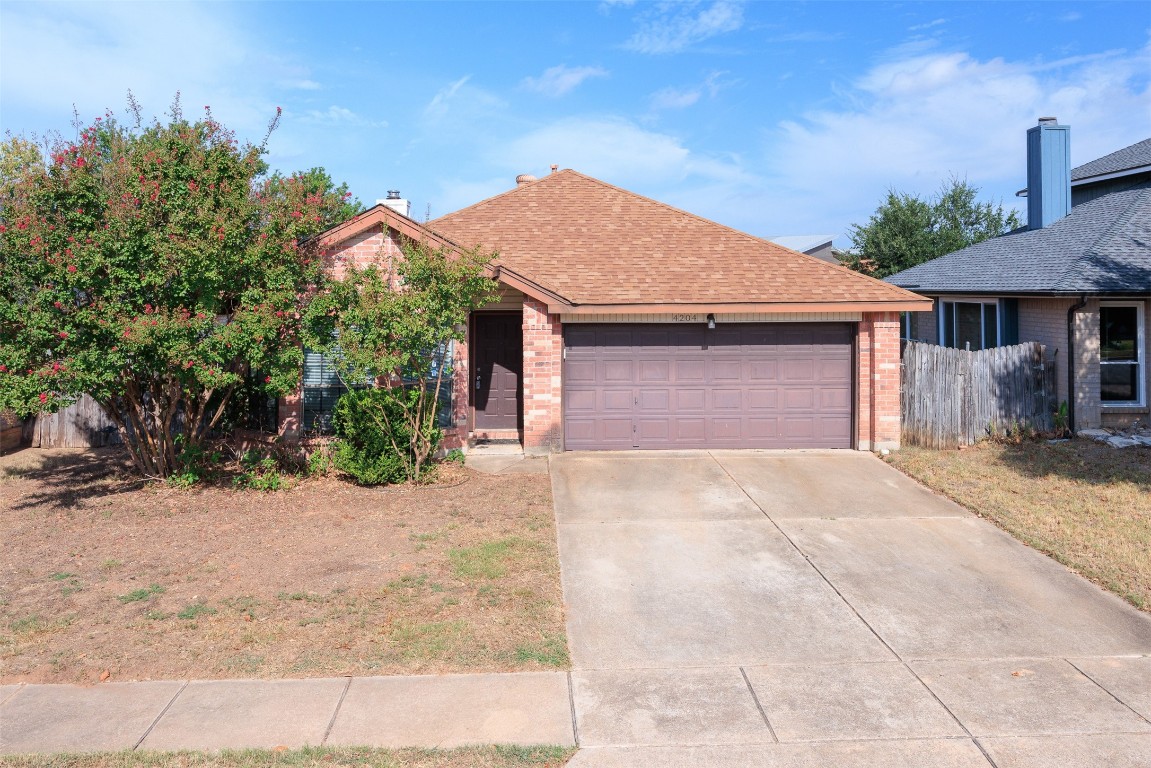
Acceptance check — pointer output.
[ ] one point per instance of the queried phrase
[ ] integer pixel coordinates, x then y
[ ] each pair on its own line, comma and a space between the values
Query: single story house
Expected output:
1077, 279
624, 323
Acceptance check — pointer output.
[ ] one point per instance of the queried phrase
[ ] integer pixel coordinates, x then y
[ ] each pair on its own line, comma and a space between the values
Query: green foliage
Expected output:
143, 593
320, 461
394, 328
154, 266
259, 472
1060, 419
907, 230
193, 611
373, 428
456, 456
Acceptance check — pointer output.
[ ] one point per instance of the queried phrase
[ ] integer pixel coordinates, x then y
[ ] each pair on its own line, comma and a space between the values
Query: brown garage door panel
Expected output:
763, 385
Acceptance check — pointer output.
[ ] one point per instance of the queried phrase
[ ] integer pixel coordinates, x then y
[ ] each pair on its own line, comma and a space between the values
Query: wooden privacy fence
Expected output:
952, 397
81, 425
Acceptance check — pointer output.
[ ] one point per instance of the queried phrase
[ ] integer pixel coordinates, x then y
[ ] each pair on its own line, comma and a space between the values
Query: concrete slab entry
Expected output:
1108, 751
238, 714
961, 588
849, 701
666, 706
68, 718
615, 487
494, 464
1026, 697
1126, 678
694, 593
453, 710
832, 486
950, 753
531, 465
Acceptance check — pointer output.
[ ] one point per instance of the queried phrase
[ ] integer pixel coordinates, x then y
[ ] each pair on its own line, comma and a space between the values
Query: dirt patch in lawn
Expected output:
105, 576
1084, 503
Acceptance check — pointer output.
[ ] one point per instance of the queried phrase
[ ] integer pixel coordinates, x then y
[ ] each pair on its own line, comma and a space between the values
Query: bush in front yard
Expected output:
375, 439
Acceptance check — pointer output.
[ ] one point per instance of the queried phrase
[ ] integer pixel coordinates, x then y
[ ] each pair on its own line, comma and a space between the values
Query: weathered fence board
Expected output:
81, 425
953, 397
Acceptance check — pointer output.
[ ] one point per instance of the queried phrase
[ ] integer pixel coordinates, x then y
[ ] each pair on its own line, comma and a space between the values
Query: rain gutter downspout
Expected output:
1071, 360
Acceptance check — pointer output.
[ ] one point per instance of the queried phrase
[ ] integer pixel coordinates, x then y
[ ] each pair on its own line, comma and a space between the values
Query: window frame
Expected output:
1140, 355
953, 300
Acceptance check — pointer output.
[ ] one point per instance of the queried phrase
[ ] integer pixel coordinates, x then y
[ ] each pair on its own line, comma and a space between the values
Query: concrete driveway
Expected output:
736, 608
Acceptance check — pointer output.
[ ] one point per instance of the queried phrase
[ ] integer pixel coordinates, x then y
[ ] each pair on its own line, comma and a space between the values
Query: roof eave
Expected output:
771, 308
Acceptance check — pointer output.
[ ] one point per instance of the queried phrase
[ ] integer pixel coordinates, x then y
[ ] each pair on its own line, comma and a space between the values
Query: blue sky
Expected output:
776, 118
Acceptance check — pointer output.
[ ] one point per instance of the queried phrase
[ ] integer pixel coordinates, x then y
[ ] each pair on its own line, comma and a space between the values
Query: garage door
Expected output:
745, 385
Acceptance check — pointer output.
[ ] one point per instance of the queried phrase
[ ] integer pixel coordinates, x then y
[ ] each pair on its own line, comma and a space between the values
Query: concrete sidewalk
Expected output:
417, 711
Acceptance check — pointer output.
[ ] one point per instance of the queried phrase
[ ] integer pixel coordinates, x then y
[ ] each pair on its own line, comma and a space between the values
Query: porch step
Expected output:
510, 447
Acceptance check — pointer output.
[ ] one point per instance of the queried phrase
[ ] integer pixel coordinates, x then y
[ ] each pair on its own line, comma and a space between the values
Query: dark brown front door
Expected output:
496, 375
741, 385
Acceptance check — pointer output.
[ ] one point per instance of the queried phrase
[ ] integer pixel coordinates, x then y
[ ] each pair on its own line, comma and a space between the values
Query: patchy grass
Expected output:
322, 579
1083, 503
310, 757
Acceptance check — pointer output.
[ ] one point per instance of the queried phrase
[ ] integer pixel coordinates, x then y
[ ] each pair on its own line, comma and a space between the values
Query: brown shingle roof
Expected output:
591, 243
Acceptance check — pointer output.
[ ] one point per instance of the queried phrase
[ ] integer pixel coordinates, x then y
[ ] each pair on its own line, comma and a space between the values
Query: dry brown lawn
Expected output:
107, 577
313, 757
1084, 503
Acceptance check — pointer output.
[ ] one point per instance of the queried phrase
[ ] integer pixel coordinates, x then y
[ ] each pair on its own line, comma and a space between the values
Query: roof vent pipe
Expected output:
1048, 173
397, 203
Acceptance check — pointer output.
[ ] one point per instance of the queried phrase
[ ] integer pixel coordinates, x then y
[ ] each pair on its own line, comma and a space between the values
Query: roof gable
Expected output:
592, 244
1127, 160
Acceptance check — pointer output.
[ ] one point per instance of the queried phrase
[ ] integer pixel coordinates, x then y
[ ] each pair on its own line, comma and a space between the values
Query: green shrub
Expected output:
375, 434
260, 473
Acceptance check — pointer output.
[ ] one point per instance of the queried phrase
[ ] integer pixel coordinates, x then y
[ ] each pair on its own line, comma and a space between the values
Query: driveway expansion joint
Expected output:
758, 705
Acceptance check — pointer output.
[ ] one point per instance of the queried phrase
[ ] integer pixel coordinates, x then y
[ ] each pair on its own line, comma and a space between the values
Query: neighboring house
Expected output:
624, 323
1077, 279
819, 246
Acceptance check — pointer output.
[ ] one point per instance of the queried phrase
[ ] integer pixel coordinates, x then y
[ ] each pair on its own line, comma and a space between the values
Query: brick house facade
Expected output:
788, 351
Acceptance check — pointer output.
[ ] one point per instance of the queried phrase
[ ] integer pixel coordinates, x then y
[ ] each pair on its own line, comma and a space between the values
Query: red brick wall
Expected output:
379, 247
878, 376
543, 361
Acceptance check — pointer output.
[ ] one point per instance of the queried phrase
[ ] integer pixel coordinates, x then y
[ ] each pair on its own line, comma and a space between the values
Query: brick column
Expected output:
542, 379
290, 412
877, 404
1088, 402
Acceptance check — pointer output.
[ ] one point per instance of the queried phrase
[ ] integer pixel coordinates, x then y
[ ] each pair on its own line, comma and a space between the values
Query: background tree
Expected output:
907, 230
155, 267
388, 334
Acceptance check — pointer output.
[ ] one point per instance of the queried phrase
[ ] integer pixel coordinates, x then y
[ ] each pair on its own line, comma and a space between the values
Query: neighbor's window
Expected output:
970, 324
1121, 354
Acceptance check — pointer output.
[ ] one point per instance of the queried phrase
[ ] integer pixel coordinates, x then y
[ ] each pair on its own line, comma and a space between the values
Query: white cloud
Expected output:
618, 151
341, 116
91, 54
303, 85
910, 123
681, 98
558, 80
673, 98
927, 25
673, 27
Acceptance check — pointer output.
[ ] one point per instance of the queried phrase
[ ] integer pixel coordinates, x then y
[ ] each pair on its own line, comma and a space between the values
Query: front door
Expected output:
496, 375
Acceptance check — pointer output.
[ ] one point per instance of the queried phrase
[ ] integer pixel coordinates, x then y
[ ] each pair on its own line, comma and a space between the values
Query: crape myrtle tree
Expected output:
388, 332
907, 230
155, 266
